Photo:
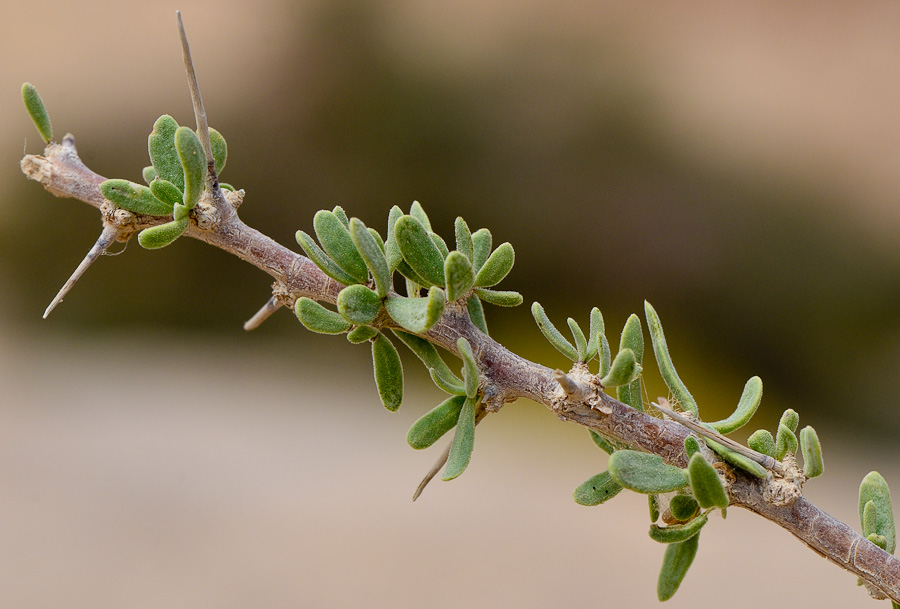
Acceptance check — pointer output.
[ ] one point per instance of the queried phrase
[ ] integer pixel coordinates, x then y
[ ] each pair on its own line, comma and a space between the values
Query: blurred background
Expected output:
738, 166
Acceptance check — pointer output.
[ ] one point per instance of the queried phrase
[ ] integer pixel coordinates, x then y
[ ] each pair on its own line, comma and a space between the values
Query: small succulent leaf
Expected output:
679, 390
476, 313
870, 518
338, 244
317, 318
416, 314
645, 473
496, 267
874, 488
446, 384
463, 442
378, 239
653, 504
482, 242
161, 146
705, 483
762, 442
878, 540
388, 372
458, 276
813, 465
463, 238
193, 164
580, 340
136, 198
441, 244
180, 212
432, 425
736, 459
678, 533
37, 111
219, 150
322, 260
166, 192
156, 237
372, 254
414, 281
149, 174
691, 446
745, 410
596, 490
226, 186
790, 419
429, 355
417, 212
358, 304
470, 367
593, 337
341, 215
550, 332
601, 442
499, 298
391, 249
605, 356
785, 442
361, 334
683, 508
623, 371
676, 562
419, 250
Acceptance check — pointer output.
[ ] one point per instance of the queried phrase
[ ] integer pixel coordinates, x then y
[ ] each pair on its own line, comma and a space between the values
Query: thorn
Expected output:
199, 110
272, 305
107, 238
432, 472
573, 389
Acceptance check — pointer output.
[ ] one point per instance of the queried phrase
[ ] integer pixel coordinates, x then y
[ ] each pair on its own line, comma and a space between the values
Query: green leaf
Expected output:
605, 356
481, 247
580, 340
156, 237
419, 250
470, 367
136, 198
161, 145
595, 328
166, 192
358, 304
476, 313
790, 419
391, 249
666, 368
435, 423
180, 212
417, 212
653, 503
453, 386
705, 483
219, 150
193, 164
388, 372
463, 441
813, 465
378, 239
412, 278
497, 267
464, 239
417, 314
551, 333
322, 260
373, 255
678, 533
691, 446
645, 473
440, 243
745, 410
601, 442
785, 442
317, 318
623, 371
596, 490
336, 241
338, 211
361, 334
149, 174
499, 298
870, 518
429, 355
676, 562
748, 465
37, 111
874, 488
458, 276
683, 508
878, 540
762, 442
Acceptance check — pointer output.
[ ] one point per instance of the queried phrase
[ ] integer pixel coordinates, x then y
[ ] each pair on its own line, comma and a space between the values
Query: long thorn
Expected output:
199, 110
107, 238
480, 413
272, 305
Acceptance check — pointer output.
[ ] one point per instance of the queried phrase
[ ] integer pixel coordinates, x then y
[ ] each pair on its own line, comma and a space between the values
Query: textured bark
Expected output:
505, 375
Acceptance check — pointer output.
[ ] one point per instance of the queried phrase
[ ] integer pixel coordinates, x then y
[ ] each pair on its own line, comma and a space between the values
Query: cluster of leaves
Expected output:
876, 514
435, 278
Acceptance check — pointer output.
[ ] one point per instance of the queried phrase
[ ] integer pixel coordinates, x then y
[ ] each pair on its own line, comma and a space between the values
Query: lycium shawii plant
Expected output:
689, 469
